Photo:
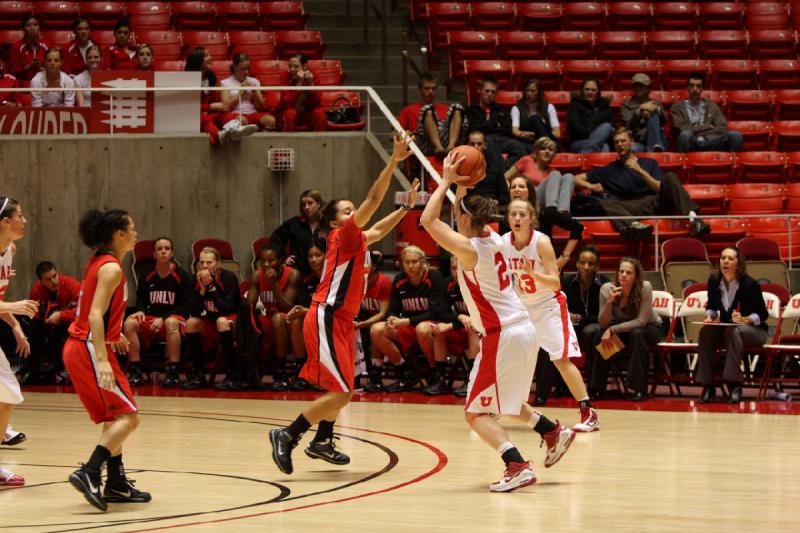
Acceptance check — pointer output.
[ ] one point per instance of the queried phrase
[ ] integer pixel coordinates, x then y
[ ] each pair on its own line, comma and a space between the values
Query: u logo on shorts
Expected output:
486, 401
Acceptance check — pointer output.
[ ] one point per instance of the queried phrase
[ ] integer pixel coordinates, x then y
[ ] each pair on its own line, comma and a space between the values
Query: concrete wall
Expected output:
175, 185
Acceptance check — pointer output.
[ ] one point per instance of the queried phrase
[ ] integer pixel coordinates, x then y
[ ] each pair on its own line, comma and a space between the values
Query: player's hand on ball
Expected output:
451, 163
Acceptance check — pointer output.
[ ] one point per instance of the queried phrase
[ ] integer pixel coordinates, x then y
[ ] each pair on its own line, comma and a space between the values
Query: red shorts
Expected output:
331, 349
210, 333
148, 337
252, 118
268, 332
102, 405
406, 338
457, 341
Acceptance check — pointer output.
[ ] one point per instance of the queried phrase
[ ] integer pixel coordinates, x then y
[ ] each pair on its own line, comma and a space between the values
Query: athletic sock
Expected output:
298, 427
510, 453
324, 431
115, 469
99, 456
586, 403
544, 425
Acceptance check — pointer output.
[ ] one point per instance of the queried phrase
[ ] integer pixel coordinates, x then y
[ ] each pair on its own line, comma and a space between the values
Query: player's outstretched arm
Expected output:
379, 230
378, 190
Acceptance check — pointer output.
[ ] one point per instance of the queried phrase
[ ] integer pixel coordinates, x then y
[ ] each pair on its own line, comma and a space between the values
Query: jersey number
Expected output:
502, 276
527, 283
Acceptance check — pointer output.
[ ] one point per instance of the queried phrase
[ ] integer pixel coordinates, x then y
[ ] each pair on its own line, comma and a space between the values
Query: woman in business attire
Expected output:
734, 298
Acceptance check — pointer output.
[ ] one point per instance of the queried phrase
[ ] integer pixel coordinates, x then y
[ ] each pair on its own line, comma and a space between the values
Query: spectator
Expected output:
494, 121
8, 81
75, 52
57, 295
163, 298
644, 116
553, 193
626, 310
494, 184
417, 296
437, 127
302, 107
733, 298
534, 117
374, 307
296, 234
27, 54
122, 54
94, 61
634, 186
702, 126
213, 311
249, 108
454, 335
144, 57
52, 77
589, 119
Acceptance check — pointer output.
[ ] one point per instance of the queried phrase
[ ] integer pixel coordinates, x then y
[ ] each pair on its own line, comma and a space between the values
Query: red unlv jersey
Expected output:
345, 271
112, 320
265, 294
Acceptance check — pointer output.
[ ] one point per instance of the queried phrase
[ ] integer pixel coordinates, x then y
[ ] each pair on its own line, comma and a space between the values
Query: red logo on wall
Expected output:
122, 111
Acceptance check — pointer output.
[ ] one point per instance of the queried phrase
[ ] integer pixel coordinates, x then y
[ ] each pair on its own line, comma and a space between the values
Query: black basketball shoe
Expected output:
326, 450
89, 485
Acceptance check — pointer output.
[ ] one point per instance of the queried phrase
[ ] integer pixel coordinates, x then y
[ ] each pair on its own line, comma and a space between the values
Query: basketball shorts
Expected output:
210, 333
554, 330
500, 381
330, 345
9, 386
457, 341
101, 404
150, 338
406, 338
268, 332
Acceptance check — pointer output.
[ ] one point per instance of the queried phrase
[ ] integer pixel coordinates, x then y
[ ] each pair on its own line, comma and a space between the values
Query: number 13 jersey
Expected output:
524, 284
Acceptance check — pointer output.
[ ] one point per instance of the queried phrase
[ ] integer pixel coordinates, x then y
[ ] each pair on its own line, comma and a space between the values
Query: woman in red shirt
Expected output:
27, 54
75, 52
121, 55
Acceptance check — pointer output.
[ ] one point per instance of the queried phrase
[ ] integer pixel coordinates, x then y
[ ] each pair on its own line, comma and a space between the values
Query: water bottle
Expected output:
779, 395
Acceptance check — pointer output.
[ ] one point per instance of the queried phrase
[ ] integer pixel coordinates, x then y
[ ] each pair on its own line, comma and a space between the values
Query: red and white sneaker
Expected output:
517, 475
10, 479
589, 421
558, 442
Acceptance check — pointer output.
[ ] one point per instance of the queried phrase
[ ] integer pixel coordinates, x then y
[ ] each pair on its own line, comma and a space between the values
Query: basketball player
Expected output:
328, 326
540, 292
12, 228
89, 357
499, 383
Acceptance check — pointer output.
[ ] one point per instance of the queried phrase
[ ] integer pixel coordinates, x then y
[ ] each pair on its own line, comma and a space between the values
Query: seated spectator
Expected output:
57, 295
702, 126
626, 310
94, 61
494, 121
534, 117
417, 295
296, 234
494, 184
733, 298
634, 186
374, 307
8, 81
437, 127
302, 107
273, 289
122, 54
589, 119
249, 108
75, 52
27, 54
644, 116
553, 193
454, 335
163, 298
213, 311
144, 57
52, 77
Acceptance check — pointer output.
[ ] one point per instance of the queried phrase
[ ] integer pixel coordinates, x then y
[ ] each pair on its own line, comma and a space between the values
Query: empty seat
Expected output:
605, 236
566, 162
671, 44
194, 16
623, 70
256, 44
722, 43
239, 16
709, 196
714, 96
56, 15
168, 65
787, 135
793, 198
576, 70
165, 44
711, 167
765, 260
569, 44
779, 74
102, 15
599, 159
546, 71
584, 16
787, 104
669, 162
270, 72
733, 74
520, 45
539, 16
463, 45
674, 15
684, 261
777, 230
766, 16
7, 39
724, 232
221, 68
755, 199
761, 166
773, 43
57, 38
560, 100
793, 166
508, 98
283, 15
757, 134
748, 105
215, 42
719, 15
493, 16
629, 16
326, 71
103, 37
149, 16
444, 17
12, 13
308, 42
619, 44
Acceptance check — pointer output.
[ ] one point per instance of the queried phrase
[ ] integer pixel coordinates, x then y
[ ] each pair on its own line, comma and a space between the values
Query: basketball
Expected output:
473, 165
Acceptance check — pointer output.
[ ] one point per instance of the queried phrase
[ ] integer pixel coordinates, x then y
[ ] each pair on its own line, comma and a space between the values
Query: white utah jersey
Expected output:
525, 284
5, 271
492, 302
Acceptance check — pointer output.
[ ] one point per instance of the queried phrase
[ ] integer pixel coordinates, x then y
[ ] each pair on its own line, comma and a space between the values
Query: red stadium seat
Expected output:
776, 232
560, 100
221, 67
674, 15
787, 135
103, 15
477, 69
616, 97
619, 44
584, 16
724, 232
719, 15
672, 44
793, 166
623, 70
215, 42
762, 167
667, 98
779, 74
308, 42
755, 199
539, 16
57, 38
576, 70
766, 16
714, 96
283, 15
787, 104
508, 98
566, 162
270, 72
330, 100
757, 134
605, 236
103, 37
12, 13
711, 167
7, 40
569, 44
709, 196
493, 16
520, 45
463, 45
546, 71
223, 247
326, 71
194, 15
599, 159
444, 17
733, 74
165, 44
722, 43
773, 43
168, 65
629, 16
56, 15
149, 16
239, 16
675, 72
256, 44
669, 162
748, 105
793, 199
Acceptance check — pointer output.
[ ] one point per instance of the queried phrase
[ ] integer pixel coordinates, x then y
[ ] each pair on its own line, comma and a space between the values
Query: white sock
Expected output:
534, 419
692, 216
503, 448
10, 433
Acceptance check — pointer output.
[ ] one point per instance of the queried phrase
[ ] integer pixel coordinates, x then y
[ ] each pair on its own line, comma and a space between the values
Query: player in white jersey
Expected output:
499, 383
12, 227
539, 289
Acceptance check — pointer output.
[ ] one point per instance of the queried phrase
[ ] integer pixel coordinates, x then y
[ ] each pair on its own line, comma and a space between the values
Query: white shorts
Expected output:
500, 381
9, 386
554, 329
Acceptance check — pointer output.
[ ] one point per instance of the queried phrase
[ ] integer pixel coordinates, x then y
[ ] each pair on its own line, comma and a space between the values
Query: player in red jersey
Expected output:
89, 357
328, 326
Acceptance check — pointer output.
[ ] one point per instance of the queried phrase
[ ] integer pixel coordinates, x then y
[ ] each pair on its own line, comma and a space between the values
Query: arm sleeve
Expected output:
551, 111
515, 117
436, 299
645, 312
36, 96
227, 301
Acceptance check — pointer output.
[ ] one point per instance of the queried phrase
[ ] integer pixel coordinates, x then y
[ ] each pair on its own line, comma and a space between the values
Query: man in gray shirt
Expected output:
702, 126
